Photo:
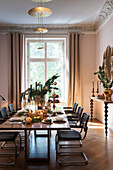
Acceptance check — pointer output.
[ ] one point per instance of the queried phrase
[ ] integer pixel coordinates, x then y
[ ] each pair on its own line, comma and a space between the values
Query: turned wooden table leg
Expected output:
106, 118
91, 109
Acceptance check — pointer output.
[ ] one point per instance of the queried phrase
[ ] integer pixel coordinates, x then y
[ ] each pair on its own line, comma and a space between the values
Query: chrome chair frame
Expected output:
83, 126
10, 154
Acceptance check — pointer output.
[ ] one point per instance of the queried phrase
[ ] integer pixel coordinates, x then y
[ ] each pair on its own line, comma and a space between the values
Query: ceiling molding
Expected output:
104, 13
100, 19
51, 28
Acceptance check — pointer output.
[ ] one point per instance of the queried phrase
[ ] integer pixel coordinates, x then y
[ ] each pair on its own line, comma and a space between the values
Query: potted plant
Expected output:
107, 84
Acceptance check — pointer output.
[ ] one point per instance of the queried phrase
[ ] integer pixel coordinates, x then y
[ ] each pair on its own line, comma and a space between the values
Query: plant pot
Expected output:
108, 93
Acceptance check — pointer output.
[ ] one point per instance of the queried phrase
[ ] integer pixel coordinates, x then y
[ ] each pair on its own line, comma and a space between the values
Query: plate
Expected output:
63, 120
16, 119
46, 122
59, 112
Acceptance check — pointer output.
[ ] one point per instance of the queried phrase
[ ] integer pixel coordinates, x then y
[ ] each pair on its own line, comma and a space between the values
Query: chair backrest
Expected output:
79, 111
75, 107
3, 113
11, 108
84, 121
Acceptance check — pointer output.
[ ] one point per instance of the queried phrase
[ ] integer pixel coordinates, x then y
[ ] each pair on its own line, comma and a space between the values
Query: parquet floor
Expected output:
98, 149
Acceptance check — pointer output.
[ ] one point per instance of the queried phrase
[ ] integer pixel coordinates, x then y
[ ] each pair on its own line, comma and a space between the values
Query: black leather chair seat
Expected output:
69, 134
68, 111
72, 123
72, 116
8, 136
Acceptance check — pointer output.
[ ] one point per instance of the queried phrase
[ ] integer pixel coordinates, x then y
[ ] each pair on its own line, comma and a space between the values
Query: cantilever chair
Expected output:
71, 110
64, 136
10, 137
3, 115
75, 117
11, 109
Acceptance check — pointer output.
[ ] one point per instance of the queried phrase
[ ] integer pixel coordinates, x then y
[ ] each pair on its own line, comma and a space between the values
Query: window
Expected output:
44, 59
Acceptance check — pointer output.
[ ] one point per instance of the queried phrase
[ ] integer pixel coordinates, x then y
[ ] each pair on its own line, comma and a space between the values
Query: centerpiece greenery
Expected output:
33, 94
103, 79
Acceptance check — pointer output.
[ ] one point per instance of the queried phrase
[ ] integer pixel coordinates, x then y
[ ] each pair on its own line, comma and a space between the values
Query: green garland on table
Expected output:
46, 88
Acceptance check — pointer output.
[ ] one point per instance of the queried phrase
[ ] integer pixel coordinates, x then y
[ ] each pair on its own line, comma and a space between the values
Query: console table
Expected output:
92, 99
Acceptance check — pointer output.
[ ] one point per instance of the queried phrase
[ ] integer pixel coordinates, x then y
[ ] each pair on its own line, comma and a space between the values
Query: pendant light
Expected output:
38, 11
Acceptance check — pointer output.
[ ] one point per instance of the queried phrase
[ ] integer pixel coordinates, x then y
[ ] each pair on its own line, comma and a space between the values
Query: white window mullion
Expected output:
45, 61
28, 65
63, 68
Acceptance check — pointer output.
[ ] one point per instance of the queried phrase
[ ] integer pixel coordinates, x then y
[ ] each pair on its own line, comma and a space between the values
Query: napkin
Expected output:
59, 118
16, 119
22, 110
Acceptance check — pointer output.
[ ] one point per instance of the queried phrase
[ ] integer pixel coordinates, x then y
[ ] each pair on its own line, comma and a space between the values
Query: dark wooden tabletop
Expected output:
35, 126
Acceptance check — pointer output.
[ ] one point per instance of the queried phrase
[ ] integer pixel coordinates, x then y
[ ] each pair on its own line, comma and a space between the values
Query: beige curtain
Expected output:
74, 70
15, 68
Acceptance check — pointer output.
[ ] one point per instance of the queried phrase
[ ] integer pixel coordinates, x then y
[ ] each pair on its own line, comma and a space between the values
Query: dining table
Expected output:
60, 125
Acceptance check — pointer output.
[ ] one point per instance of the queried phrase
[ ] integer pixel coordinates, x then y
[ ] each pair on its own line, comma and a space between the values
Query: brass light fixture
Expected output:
40, 30
38, 11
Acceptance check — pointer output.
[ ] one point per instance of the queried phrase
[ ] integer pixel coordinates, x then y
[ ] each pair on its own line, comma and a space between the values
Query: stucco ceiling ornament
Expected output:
105, 12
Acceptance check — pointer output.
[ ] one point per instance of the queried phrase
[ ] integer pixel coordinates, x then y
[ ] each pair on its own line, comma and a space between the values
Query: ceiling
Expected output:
64, 11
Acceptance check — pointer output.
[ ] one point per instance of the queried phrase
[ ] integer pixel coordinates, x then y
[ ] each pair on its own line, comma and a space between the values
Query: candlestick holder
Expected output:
97, 87
97, 91
93, 92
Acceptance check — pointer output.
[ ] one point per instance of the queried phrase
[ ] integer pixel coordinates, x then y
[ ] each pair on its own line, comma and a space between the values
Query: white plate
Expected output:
16, 119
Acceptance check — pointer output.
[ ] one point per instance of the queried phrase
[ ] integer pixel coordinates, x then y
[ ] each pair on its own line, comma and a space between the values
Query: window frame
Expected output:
45, 60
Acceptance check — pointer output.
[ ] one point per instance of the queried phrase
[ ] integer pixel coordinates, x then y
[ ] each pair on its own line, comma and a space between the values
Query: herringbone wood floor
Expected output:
98, 149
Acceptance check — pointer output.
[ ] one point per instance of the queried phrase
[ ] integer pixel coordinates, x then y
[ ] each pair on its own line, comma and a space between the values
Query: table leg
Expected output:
91, 109
49, 144
106, 118
26, 154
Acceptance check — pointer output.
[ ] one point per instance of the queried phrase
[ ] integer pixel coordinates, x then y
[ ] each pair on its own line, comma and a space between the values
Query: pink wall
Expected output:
87, 68
3, 68
104, 38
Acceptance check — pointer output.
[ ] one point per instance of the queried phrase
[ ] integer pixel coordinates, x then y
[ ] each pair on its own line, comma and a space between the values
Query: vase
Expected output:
108, 93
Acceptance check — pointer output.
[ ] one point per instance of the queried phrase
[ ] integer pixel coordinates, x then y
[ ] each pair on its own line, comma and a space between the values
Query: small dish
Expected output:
46, 121
62, 121
59, 119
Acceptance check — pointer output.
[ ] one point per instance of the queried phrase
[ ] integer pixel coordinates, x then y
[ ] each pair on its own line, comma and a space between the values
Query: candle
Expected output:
97, 85
36, 88
41, 91
93, 84
30, 91
41, 115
